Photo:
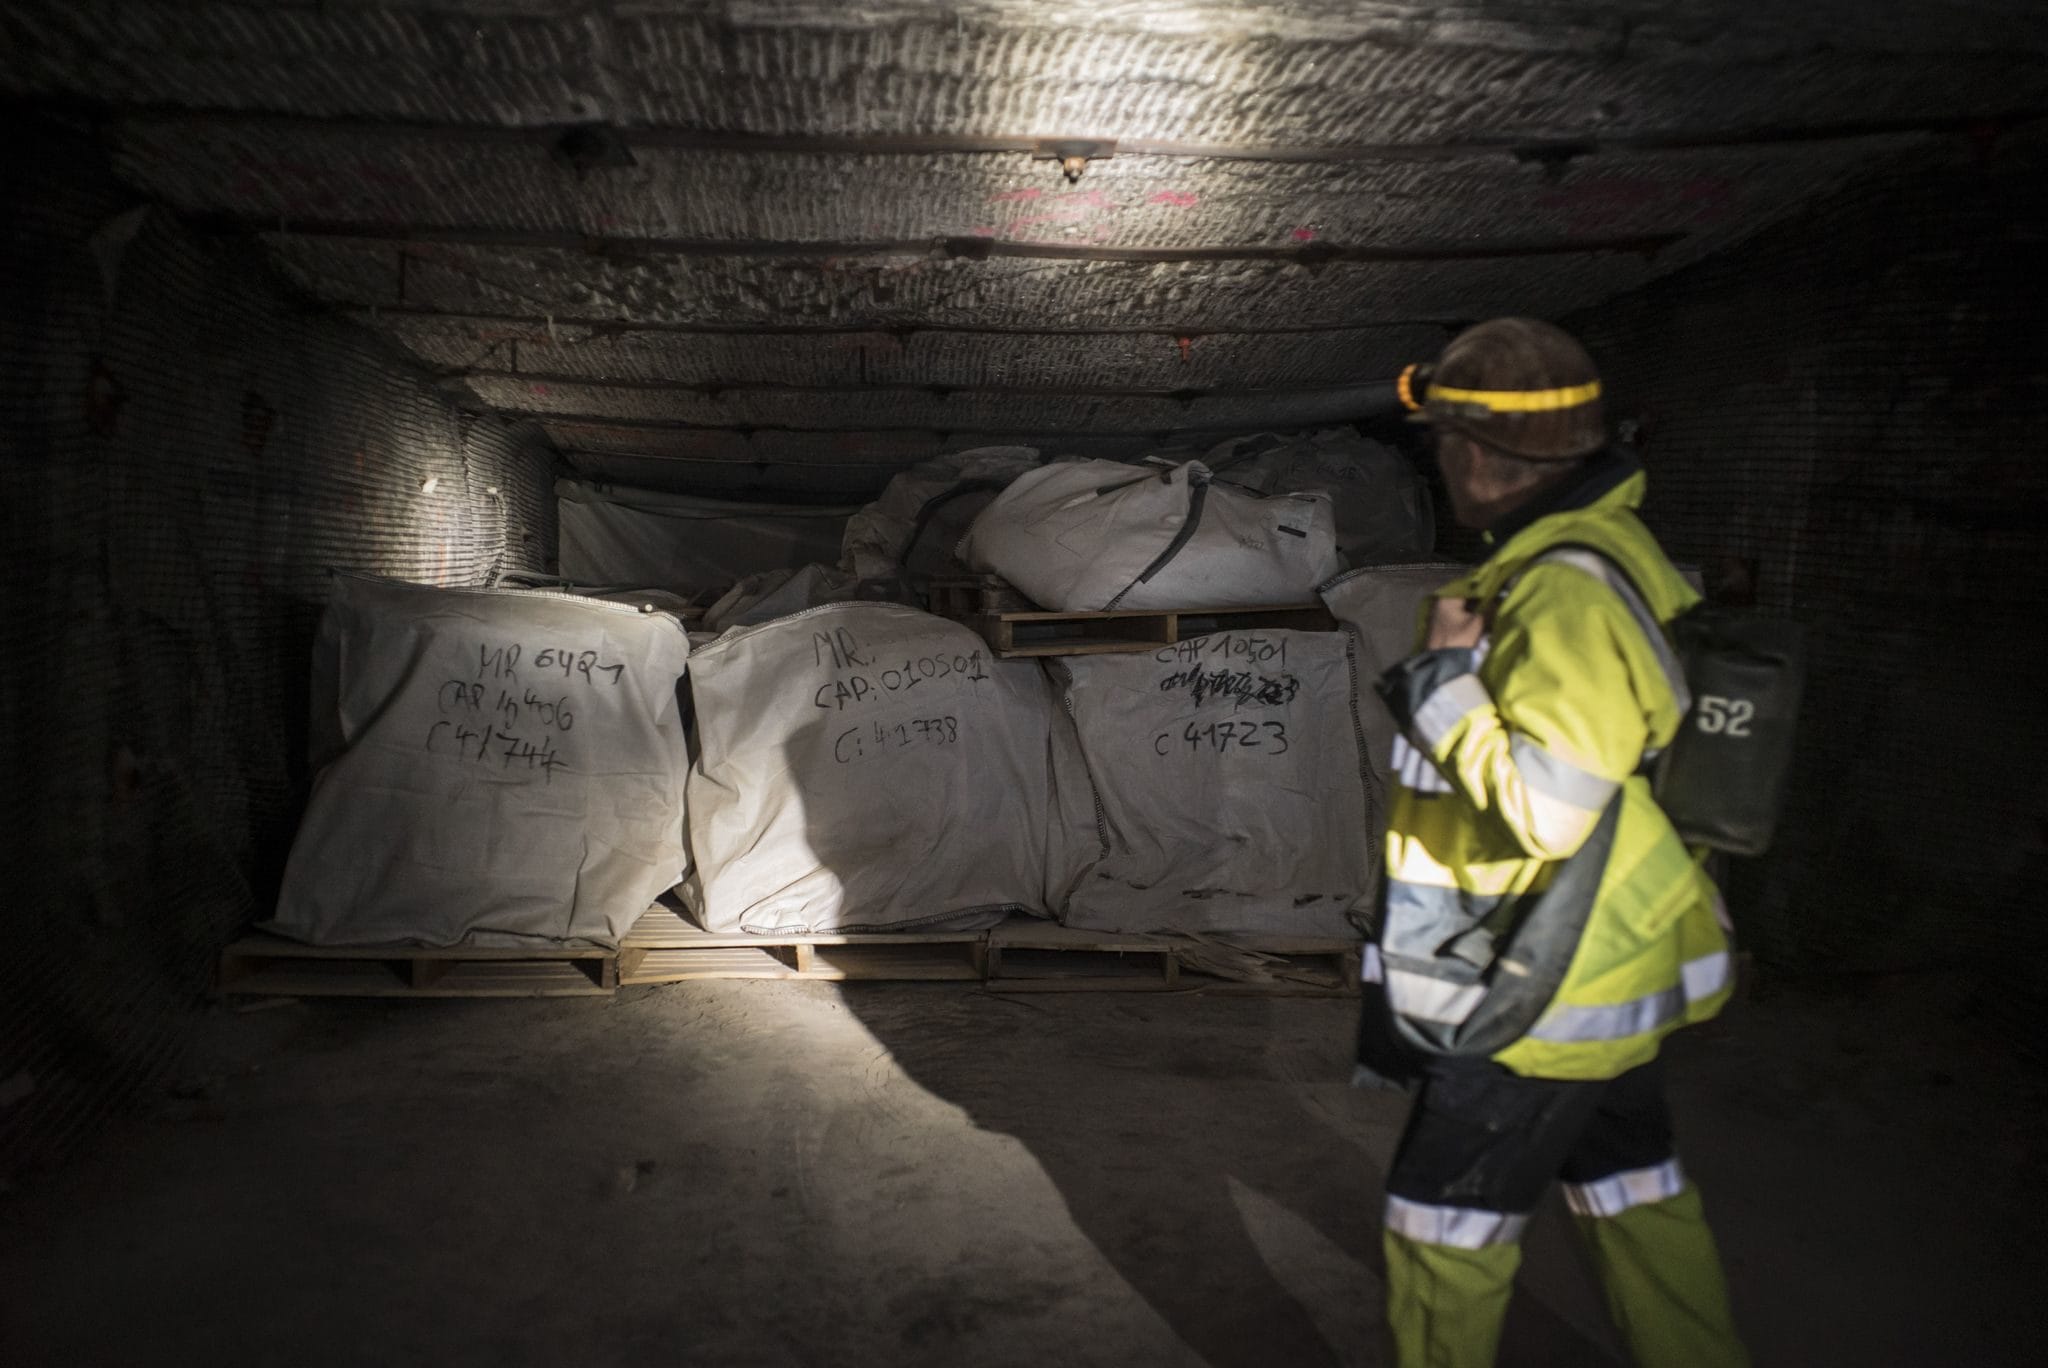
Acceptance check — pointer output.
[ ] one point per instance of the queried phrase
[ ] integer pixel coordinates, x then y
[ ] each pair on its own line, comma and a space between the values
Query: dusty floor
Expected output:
764, 1173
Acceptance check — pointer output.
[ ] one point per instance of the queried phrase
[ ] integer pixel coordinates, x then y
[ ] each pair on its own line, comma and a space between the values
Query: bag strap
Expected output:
938, 501
1533, 958
1198, 497
1604, 568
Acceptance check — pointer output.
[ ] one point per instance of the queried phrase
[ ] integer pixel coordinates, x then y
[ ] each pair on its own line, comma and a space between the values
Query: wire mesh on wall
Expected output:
187, 453
1835, 418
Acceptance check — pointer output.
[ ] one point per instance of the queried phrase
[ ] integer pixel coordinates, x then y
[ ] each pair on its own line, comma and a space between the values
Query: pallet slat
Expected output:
1014, 632
267, 965
664, 928
941, 961
665, 948
292, 977
1021, 955
709, 962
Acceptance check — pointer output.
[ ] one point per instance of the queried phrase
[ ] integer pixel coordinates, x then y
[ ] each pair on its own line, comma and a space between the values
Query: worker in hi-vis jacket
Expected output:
1542, 926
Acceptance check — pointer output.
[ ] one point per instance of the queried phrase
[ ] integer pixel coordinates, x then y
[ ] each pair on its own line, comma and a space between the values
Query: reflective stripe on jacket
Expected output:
1511, 755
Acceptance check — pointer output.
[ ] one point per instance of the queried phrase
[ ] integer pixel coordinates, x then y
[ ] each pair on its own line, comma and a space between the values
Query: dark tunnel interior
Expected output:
398, 287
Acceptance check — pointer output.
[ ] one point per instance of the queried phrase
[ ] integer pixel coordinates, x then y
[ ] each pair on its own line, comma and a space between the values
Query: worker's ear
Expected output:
1454, 450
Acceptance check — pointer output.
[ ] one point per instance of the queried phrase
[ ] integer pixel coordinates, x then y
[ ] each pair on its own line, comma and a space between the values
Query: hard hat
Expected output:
1516, 385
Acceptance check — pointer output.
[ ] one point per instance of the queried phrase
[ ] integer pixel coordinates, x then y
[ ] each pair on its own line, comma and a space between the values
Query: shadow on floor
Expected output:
1226, 1188
1218, 1170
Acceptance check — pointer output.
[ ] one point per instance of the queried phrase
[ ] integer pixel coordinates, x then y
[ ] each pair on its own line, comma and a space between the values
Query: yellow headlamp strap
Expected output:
1515, 401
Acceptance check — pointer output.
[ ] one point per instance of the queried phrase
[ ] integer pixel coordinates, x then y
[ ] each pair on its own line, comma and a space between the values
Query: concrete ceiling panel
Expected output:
300, 173
423, 92
904, 290
960, 411
818, 467
1298, 73
1306, 71
1141, 362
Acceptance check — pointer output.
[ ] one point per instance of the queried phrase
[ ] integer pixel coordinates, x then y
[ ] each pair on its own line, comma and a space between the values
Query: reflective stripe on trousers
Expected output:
1457, 1227
1616, 1193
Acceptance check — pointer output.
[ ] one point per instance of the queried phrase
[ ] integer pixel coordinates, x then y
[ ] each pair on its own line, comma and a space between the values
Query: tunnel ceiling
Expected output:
783, 246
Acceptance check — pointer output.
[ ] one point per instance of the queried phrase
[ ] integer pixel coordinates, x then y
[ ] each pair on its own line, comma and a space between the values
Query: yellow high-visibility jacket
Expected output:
1518, 774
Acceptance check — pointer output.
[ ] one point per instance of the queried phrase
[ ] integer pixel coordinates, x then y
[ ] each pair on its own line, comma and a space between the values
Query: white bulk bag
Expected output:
918, 521
498, 765
1085, 535
775, 594
646, 600
1228, 786
783, 593
1381, 606
863, 766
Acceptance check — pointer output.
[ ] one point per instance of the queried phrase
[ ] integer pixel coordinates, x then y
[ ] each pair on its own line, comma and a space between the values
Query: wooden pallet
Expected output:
666, 947
1013, 626
1022, 955
1271, 965
975, 596
1011, 635
1026, 955
261, 964
1034, 956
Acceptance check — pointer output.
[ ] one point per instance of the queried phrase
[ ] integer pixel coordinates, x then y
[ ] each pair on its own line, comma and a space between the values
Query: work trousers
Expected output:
1481, 1148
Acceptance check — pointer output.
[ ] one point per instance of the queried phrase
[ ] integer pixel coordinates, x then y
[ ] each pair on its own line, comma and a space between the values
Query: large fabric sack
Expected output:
496, 766
646, 600
1378, 497
916, 525
686, 544
1228, 787
863, 766
784, 593
772, 594
1085, 535
1381, 606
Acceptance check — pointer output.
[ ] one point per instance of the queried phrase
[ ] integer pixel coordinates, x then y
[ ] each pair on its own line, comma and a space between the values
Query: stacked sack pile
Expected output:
526, 764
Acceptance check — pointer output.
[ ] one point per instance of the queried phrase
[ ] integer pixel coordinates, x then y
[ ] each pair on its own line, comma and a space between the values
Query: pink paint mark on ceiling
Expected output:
1303, 234
1178, 199
1071, 208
